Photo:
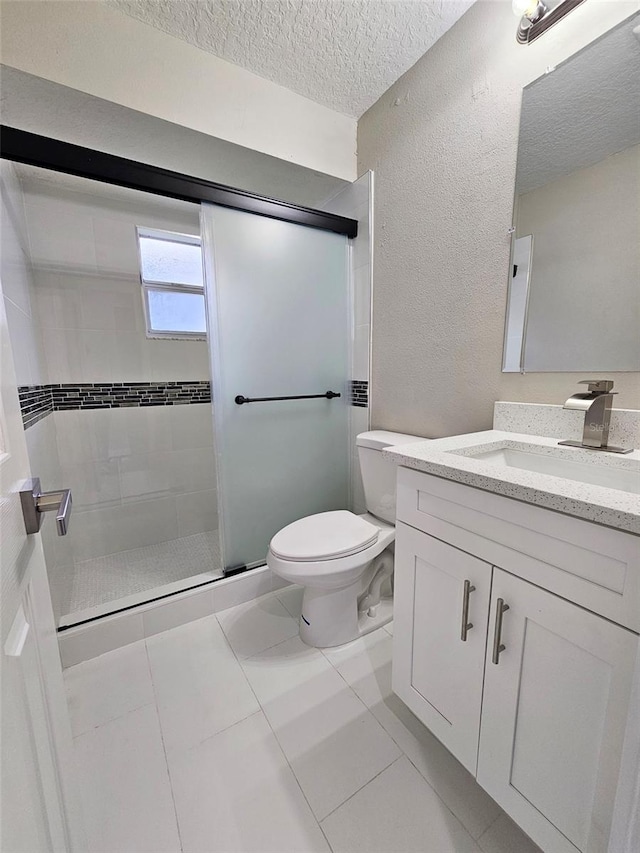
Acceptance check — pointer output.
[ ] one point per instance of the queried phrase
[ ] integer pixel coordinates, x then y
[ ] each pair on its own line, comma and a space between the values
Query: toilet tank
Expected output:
379, 474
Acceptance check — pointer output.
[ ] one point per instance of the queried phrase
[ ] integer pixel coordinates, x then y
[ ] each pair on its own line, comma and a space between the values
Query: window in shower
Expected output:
172, 284
131, 430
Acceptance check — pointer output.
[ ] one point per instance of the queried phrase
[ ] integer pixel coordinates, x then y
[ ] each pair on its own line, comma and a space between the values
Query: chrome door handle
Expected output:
35, 502
501, 608
466, 625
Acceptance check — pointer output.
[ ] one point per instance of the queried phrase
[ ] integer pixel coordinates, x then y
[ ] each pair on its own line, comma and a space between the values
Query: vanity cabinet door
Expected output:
556, 698
436, 672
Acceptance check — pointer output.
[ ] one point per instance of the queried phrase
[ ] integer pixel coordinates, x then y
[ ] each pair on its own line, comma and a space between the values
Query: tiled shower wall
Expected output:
356, 202
141, 463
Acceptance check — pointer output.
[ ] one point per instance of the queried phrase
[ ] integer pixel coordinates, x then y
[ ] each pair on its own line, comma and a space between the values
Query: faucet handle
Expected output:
598, 386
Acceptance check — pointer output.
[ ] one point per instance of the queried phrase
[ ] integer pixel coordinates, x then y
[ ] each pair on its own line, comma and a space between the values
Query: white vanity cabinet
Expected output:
554, 712
438, 666
535, 707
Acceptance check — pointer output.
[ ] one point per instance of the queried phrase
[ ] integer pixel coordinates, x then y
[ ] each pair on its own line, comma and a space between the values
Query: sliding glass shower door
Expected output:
278, 306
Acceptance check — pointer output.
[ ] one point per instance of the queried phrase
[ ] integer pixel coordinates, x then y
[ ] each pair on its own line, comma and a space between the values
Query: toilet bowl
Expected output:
342, 559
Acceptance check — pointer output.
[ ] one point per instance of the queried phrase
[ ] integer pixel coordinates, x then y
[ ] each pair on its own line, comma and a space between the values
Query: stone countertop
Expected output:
453, 459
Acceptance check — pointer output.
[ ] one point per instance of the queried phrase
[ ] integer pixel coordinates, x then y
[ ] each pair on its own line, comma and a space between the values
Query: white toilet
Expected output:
342, 560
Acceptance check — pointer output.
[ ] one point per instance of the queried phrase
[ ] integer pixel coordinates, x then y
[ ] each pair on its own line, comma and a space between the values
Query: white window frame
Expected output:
174, 287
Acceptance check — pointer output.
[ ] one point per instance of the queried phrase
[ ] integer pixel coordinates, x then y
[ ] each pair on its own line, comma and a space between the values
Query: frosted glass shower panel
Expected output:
278, 299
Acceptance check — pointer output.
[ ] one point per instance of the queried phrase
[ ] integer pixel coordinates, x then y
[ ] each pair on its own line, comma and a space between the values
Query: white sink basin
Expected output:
596, 472
596, 486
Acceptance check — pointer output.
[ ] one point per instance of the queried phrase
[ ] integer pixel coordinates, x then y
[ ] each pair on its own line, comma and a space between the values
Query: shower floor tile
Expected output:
106, 580
262, 754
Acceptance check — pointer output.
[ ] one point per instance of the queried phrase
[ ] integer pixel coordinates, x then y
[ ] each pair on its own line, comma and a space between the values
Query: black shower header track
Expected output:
44, 152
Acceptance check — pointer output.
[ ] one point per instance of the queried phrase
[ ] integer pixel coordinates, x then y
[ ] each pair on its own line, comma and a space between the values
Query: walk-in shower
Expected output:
128, 309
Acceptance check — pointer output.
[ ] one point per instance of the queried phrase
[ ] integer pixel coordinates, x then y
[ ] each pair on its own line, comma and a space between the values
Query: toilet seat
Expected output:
324, 536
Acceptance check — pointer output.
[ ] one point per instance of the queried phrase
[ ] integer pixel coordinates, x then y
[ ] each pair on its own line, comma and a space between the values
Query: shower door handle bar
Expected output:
328, 395
35, 502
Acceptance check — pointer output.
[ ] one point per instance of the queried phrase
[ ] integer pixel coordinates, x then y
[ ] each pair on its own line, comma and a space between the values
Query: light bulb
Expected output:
524, 8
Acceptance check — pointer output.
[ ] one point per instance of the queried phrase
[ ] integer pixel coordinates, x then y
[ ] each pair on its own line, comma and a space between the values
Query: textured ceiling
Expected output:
344, 55
585, 110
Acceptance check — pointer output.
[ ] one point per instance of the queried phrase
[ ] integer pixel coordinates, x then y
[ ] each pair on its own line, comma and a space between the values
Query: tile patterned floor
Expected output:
229, 735
104, 580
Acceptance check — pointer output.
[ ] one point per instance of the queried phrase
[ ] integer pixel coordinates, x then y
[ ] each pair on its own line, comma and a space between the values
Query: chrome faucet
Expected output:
596, 405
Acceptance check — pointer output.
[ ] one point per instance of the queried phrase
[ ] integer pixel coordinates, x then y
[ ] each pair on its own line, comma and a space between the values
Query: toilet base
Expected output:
330, 617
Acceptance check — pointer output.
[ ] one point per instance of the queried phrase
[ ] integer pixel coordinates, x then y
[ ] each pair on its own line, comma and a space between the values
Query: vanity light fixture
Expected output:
536, 17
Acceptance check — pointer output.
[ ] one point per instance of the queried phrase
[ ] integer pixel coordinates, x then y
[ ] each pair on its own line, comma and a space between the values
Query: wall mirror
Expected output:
574, 277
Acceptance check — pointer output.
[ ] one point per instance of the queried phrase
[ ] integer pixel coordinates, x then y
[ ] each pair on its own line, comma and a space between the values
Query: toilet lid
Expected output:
324, 536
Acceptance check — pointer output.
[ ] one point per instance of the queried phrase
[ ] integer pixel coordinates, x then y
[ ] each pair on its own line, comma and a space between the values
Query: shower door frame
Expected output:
56, 155
21, 146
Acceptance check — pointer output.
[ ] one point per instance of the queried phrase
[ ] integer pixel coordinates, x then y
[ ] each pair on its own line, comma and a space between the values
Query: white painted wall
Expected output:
49, 109
443, 143
96, 49
584, 302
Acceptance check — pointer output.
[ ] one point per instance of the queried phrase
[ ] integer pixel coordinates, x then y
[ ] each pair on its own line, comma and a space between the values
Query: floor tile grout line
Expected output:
423, 777
484, 831
402, 752
185, 749
414, 765
277, 592
261, 709
268, 649
268, 722
373, 778
260, 651
365, 707
368, 710
228, 646
164, 747
364, 649
112, 719
297, 781
447, 807
492, 824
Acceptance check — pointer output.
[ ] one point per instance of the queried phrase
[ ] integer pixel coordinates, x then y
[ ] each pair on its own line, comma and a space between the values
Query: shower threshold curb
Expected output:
104, 634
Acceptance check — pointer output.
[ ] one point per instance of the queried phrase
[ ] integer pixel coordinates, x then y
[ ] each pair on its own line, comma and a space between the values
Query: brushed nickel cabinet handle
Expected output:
466, 625
501, 608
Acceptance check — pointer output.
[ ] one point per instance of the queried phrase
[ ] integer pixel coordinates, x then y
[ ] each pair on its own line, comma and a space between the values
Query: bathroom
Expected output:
260, 717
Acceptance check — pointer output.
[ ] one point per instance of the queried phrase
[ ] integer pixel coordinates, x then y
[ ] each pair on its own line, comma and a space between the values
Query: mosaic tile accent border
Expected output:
358, 393
37, 401
115, 395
